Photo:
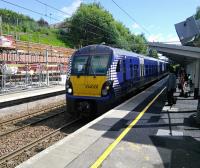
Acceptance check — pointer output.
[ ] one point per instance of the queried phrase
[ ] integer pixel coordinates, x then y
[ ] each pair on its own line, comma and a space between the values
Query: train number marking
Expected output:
91, 86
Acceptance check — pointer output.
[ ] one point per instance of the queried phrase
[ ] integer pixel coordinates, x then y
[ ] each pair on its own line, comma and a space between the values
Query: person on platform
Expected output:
171, 87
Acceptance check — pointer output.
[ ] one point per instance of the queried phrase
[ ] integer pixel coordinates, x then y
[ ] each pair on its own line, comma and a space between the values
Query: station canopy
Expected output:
179, 54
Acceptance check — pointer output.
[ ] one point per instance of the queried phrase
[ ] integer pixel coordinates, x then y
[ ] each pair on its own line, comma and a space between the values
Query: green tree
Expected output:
42, 23
197, 15
153, 53
27, 29
92, 24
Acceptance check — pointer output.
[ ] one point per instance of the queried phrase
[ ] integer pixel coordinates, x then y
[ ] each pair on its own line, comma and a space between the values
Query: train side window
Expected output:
149, 69
131, 70
135, 71
118, 66
143, 69
146, 70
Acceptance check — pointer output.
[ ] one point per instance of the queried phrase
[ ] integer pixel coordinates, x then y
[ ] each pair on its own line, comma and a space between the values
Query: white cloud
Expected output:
155, 37
71, 8
153, 27
135, 26
172, 39
168, 39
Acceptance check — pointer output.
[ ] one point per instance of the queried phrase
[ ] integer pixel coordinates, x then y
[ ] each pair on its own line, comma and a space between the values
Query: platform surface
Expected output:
30, 93
164, 136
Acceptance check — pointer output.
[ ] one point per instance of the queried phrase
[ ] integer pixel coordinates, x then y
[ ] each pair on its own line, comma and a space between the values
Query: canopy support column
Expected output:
198, 84
196, 80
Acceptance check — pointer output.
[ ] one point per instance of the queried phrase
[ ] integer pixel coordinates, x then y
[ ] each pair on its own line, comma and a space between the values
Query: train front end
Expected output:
88, 82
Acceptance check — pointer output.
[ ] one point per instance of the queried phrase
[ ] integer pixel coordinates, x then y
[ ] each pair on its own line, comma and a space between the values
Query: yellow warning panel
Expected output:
87, 85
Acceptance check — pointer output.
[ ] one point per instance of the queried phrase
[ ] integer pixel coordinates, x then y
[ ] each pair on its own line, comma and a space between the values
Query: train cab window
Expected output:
79, 64
118, 66
98, 64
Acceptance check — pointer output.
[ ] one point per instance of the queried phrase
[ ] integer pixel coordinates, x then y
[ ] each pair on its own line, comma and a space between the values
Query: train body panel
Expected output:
99, 73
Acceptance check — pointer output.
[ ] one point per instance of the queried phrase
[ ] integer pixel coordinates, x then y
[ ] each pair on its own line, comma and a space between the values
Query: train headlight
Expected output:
104, 92
106, 88
68, 87
69, 90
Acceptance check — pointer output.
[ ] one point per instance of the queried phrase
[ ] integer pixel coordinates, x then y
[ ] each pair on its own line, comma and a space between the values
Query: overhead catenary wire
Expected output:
41, 14
70, 15
30, 10
131, 17
39, 1
13, 4
53, 7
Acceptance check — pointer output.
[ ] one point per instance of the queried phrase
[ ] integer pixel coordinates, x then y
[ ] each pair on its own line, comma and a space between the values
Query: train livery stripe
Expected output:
110, 148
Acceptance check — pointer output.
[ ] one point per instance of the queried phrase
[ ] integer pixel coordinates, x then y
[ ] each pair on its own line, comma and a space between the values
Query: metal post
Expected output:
198, 107
1, 84
196, 80
47, 71
1, 32
26, 78
16, 27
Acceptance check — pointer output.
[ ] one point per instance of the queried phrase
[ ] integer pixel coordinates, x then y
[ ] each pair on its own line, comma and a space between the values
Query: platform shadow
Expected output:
175, 151
184, 151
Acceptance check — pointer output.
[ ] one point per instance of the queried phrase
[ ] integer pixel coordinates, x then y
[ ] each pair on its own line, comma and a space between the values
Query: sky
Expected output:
154, 18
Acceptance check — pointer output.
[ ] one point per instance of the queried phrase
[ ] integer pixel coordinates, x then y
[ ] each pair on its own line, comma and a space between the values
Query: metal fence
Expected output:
11, 79
28, 65
32, 65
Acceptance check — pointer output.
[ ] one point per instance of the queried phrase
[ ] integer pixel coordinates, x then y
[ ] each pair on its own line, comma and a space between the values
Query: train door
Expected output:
124, 68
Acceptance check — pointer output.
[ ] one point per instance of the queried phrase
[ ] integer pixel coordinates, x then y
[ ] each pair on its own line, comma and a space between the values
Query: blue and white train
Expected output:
99, 74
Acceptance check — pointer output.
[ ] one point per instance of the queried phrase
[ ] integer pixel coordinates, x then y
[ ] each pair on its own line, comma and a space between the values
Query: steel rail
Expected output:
31, 123
32, 114
34, 143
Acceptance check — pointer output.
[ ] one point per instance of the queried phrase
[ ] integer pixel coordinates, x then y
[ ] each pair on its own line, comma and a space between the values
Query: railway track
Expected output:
26, 116
31, 123
34, 143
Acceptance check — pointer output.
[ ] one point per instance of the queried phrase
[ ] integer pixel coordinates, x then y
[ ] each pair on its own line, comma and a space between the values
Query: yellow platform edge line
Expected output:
109, 149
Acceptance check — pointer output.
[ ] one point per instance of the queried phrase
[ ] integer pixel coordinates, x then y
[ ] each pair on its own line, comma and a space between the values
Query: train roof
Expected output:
107, 49
129, 53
